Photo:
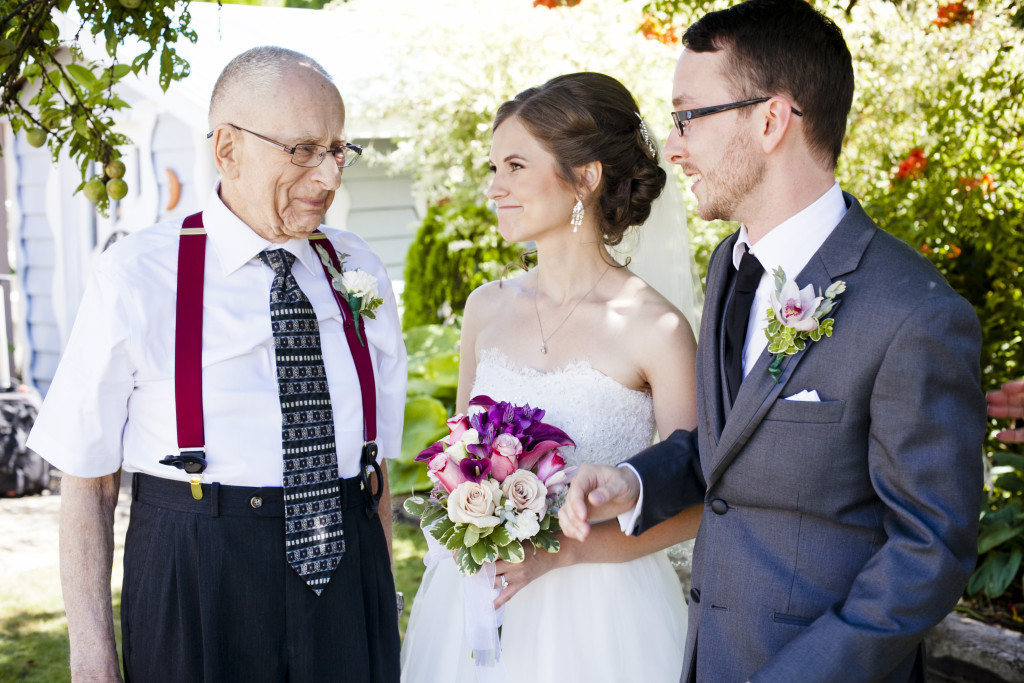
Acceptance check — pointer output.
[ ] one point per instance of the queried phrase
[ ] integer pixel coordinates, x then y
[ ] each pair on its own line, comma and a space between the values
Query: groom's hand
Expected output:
597, 493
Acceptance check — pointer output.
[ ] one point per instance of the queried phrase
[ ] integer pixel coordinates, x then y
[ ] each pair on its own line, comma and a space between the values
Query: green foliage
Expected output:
457, 249
935, 152
48, 86
430, 400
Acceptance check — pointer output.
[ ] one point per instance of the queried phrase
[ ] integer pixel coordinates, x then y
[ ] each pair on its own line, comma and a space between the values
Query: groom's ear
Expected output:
777, 120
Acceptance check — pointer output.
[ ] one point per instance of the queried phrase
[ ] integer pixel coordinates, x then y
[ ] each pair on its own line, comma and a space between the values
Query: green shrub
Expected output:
430, 400
457, 249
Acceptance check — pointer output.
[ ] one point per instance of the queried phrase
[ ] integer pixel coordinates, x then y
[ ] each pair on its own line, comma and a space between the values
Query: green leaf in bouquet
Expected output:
465, 562
442, 532
513, 552
545, 523
500, 536
472, 535
415, 505
479, 552
432, 514
547, 541
457, 538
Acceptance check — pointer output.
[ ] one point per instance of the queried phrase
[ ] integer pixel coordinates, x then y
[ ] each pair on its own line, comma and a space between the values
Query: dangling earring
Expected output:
577, 215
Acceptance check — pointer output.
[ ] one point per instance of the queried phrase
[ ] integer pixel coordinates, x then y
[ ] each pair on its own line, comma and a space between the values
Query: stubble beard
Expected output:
739, 172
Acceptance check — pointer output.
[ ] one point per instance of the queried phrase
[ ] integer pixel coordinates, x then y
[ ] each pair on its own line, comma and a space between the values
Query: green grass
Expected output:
34, 632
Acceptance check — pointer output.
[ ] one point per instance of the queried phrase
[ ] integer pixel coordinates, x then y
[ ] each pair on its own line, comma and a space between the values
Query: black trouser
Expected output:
209, 598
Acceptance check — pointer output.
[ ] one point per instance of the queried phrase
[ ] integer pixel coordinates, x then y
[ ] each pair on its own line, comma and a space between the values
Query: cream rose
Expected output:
473, 503
526, 492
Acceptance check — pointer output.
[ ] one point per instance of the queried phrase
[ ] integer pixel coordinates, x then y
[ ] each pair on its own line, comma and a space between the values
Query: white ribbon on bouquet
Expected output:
481, 619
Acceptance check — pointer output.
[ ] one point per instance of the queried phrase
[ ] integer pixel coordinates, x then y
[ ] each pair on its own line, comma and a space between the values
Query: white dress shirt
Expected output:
112, 404
790, 245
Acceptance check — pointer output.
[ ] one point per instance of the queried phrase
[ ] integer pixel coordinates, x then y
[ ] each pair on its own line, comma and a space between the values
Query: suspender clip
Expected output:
370, 466
193, 462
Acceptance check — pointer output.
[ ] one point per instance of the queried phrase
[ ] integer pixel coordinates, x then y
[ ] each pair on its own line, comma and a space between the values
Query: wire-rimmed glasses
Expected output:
308, 155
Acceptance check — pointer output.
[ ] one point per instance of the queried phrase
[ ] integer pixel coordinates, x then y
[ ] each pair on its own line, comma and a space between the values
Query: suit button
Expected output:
695, 596
719, 506
256, 502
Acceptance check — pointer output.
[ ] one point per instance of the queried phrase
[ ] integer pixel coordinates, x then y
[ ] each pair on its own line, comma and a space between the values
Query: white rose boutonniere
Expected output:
358, 287
797, 316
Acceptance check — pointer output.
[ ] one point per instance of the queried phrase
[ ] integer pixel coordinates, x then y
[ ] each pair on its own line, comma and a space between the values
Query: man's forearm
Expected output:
86, 557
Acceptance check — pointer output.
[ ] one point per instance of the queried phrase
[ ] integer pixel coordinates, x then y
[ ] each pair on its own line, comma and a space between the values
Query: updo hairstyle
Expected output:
585, 117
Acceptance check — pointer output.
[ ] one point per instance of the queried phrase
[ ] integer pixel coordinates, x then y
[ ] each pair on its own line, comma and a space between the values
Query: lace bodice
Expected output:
608, 421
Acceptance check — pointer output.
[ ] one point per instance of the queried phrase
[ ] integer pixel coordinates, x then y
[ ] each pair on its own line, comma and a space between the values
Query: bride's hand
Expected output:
517, 574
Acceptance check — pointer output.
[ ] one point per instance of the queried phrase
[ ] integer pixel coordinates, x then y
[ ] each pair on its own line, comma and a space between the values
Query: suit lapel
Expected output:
839, 255
709, 352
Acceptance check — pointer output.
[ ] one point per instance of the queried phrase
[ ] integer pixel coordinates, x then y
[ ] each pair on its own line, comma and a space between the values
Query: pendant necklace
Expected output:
544, 340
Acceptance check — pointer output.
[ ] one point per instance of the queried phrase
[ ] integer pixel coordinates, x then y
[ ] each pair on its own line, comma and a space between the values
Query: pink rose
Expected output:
505, 450
550, 464
457, 424
444, 469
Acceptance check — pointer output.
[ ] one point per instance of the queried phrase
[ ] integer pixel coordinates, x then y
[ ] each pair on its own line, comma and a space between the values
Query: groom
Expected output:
842, 483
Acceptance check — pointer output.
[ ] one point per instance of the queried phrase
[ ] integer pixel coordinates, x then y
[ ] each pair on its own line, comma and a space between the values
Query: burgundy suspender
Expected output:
188, 357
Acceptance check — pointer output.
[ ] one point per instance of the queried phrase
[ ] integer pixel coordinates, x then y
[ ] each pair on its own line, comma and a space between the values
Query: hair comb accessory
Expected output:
644, 134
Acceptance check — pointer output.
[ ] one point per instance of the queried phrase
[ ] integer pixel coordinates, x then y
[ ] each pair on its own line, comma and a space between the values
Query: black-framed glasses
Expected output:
682, 117
310, 156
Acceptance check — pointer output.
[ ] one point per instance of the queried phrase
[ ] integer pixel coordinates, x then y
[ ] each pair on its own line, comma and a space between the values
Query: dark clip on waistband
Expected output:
370, 465
190, 460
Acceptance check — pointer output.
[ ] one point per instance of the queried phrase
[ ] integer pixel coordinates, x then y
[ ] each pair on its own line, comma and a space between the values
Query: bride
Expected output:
608, 358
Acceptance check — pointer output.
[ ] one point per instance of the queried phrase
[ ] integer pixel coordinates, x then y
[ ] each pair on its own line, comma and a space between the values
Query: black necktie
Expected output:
314, 540
744, 286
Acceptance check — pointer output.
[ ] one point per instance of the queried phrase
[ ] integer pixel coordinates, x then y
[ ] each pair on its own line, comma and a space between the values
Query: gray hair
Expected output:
257, 69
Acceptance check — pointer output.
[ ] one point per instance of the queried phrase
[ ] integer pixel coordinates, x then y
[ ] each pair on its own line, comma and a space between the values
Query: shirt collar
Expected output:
792, 243
235, 243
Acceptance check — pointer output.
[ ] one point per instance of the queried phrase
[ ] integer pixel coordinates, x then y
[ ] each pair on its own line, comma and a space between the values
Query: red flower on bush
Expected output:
985, 183
913, 166
953, 13
654, 28
551, 4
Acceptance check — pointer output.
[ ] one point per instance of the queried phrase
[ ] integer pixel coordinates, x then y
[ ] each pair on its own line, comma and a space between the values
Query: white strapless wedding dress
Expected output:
591, 623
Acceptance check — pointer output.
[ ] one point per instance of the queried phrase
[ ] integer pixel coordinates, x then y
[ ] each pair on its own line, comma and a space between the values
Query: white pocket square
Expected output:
805, 395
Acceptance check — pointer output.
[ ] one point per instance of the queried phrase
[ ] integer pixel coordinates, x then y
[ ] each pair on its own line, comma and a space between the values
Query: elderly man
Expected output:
251, 402
841, 476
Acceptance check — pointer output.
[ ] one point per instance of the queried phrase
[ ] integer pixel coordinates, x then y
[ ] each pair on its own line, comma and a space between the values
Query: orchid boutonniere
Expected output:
358, 287
797, 316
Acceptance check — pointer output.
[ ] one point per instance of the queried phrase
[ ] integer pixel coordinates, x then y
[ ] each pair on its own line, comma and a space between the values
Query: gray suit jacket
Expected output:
834, 533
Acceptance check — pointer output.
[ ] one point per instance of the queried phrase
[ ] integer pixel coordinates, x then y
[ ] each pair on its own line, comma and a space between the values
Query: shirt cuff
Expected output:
629, 518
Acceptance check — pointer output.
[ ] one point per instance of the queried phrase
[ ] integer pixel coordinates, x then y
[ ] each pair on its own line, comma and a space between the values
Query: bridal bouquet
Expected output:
499, 480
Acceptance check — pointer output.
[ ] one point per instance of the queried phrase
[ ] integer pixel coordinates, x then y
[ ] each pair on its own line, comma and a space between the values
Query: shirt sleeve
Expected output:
390, 369
80, 425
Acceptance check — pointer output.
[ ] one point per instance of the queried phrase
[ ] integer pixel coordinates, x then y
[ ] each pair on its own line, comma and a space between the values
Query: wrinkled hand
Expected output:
518, 574
1008, 402
597, 493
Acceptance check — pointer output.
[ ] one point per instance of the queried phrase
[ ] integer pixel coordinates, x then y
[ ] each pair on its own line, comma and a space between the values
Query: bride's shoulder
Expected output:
494, 296
644, 306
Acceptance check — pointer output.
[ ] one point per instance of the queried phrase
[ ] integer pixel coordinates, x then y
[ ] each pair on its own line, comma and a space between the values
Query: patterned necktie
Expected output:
314, 540
736, 318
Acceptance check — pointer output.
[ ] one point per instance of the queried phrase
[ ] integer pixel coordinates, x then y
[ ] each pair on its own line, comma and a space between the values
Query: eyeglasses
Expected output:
682, 117
310, 156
